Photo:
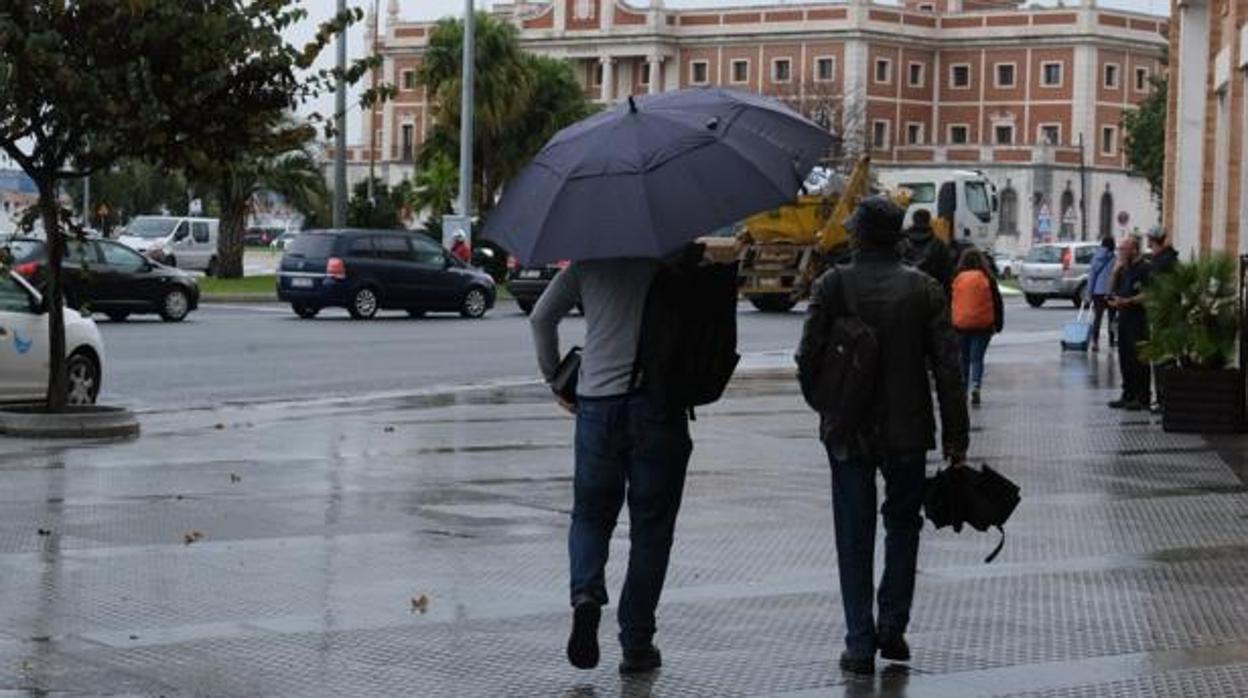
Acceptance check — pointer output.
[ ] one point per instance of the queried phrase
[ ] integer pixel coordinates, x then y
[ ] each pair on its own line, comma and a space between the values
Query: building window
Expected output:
914, 133
1141, 79
595, 75
1006, 77
698, 71
883, 70
918, 75
927, 7
959, 134
1050, 134
408, 143
1008, 212
781, 70
879, 135
960, 76
377, 137
825, 69
644, 79
409, 79
1111, 76
1107, 214
1004, 134
1051, 74
1109, 140
740, 71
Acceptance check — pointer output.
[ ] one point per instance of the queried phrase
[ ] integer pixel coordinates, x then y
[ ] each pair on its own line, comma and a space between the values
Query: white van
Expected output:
176, 241
965, 197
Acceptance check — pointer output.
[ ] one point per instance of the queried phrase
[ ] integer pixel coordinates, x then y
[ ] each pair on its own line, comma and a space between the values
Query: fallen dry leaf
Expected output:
389, 430
44, 532
420, 604
219, 426
235, 478
192, 537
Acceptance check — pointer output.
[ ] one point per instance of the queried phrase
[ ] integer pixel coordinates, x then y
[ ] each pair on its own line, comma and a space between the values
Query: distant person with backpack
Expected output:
877, 334
1100, 284
978, 314
925, 252
634, 395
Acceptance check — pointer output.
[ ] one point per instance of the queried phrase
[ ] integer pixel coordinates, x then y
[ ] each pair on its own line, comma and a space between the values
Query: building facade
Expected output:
969, 84
1206, 190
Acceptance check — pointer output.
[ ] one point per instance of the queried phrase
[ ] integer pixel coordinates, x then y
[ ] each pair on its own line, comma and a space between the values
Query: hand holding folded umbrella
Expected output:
982, 498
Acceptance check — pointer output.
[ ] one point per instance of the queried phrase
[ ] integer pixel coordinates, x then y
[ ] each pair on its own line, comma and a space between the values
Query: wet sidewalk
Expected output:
416, 547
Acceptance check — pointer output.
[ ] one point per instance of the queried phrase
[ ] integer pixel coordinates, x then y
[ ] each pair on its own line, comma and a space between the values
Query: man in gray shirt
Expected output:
624, 444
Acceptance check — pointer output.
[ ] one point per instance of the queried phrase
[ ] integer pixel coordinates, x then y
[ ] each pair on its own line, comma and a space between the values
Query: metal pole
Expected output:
86, 201
372, 131
466, 116
340, 124
1083, 192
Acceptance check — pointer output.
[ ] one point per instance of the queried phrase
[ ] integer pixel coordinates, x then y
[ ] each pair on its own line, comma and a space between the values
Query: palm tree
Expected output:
436, 187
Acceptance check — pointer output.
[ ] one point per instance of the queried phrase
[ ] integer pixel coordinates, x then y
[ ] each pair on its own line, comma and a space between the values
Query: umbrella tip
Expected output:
632, 105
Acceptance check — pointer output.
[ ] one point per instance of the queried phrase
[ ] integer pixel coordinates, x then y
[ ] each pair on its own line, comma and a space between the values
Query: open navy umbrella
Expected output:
654, 173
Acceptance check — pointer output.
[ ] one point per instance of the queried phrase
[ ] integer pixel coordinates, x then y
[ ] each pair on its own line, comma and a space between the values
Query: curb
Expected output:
94, 422
238, 298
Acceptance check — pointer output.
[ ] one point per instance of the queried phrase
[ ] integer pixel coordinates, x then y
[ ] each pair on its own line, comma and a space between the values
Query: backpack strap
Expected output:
846, 301
996, 551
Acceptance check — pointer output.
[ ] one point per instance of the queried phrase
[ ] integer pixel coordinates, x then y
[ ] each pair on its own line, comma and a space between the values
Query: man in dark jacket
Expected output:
927, 253
1128, 299
909, 316
1165, 257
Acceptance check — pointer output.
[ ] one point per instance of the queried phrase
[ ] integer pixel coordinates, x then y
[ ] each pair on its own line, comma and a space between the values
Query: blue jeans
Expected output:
974, 346
853, 506
624, 444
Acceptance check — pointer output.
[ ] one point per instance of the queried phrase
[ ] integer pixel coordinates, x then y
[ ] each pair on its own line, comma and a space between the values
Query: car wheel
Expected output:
364, 303
307, 312
526, 307
175, 306
119, 316
1034, 300
475, 303
416, 312
212, 267
83, 379
773, 304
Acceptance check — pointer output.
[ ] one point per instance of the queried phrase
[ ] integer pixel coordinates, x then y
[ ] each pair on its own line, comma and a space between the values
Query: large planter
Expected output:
1201, 401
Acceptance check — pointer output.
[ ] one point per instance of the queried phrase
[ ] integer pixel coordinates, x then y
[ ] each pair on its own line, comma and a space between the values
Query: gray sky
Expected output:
320, 10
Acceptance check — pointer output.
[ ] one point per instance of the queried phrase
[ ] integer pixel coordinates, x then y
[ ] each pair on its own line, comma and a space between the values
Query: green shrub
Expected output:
1193, 314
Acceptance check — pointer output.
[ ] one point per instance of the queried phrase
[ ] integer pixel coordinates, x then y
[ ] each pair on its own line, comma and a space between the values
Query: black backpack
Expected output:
838, 368
687, 350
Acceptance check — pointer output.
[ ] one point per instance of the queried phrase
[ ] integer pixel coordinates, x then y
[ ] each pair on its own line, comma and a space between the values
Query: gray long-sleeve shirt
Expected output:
612, 292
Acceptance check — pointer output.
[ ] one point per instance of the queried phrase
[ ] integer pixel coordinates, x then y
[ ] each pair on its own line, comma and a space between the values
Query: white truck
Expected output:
963, 203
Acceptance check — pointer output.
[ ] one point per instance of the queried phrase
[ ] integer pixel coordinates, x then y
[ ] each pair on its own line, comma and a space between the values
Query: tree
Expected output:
130, 188
183, 85
381, 212
436, 186
1145, 136
521, 101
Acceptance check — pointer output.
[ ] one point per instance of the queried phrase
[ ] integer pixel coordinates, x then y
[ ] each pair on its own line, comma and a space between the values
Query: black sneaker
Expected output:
893, 645
975, 399
641, 660
857, 665
1133, 406
1118, 404
583, 643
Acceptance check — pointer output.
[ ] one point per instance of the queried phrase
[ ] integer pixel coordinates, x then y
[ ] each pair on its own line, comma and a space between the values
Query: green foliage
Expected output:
1144, 130
385, 209
436, 186
1193, 314
521, 101
131, 188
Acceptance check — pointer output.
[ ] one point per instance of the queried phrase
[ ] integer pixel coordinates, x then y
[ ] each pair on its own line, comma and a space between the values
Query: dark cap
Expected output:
877, 219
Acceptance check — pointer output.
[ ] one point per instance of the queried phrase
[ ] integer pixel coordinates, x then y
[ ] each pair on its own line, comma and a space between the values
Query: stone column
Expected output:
608, 79
656, 73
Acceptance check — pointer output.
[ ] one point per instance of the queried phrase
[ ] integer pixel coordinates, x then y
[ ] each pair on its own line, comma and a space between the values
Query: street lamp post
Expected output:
340, 125
462, 220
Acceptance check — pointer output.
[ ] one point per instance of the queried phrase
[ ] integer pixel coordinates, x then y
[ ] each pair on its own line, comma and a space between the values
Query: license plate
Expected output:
531, 274
300, 282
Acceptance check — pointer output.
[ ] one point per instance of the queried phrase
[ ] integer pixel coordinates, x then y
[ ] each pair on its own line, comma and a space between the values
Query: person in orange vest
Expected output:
978, 314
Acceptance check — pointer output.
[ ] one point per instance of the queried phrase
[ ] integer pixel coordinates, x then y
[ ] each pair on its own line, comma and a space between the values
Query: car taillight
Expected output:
335, 269
28, 270
562, 264
512, 264
1066, 258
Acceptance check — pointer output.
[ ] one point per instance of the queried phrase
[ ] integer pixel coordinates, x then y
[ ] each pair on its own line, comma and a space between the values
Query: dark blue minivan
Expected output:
369, 270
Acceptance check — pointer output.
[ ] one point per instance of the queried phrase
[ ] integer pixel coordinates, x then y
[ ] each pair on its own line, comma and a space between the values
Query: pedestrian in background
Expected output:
978, 314
1099, 286
460, 249
1128, 299
1165, 257
925, 252
907, 313
625, 446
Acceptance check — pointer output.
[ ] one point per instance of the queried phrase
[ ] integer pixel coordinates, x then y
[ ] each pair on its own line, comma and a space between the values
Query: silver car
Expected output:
1058, 270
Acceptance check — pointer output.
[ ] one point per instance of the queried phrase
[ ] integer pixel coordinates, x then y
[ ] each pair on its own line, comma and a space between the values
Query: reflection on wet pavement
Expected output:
415, 546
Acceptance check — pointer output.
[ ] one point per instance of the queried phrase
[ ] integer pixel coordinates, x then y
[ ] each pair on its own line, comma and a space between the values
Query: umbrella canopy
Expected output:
963, 495
654, 173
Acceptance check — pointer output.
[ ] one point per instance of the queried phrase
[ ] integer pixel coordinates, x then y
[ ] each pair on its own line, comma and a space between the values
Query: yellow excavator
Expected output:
781, 252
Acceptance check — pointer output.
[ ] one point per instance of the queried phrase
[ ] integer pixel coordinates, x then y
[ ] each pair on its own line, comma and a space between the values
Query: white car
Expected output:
24, 347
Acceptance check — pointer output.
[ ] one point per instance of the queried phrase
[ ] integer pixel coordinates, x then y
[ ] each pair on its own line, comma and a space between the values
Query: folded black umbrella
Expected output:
982, 498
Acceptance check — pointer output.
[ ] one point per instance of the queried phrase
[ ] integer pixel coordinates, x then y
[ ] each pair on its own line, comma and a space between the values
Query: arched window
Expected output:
1107, 214
1068, 215
1008, 225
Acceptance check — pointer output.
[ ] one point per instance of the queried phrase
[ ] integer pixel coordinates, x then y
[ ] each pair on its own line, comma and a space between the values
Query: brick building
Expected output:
982, 84
1206, 205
